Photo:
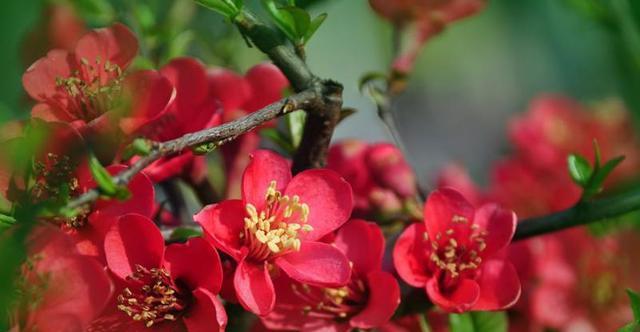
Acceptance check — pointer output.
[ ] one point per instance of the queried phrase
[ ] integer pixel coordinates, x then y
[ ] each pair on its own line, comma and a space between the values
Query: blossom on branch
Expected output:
457, 254
276, 227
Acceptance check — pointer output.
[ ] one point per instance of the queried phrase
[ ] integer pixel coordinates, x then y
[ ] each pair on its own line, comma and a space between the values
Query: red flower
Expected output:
89, 83
457, 254
367, 301
381, 178
278, 223
194, 109
60, 290
160, 289
262, 85
426, 18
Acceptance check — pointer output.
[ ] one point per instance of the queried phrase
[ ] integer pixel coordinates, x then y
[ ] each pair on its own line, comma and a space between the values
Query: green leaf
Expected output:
295, 123
6, 220
226, 8
139, 147
579, 169
205, 148
313, 26
182, 234
479, 321
600, 175
634, 298
293, 21
98, 11
104, 180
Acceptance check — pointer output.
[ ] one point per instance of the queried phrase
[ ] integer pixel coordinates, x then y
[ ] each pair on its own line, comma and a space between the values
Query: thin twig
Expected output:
219, 135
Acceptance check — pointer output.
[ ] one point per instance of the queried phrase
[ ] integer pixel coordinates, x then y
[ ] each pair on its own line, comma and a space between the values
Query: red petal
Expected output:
384, 298
236, 156
267, 85
254, 287
500, 225
317, 264
196, 264
231, 89
116, 44
147, 93
443, 207
363, 244
411, 255
40, 79
189, 78
328, 196
265, 167
461, 299
223, 223
499, 286
133, 240
48, 113
206, 314
141, 201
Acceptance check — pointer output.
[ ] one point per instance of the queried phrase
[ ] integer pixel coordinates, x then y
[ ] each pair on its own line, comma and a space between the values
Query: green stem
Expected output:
581, 214
424, 325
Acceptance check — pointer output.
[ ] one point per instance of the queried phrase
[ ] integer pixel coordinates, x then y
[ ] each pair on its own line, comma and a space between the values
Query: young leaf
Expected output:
313, 26
634, 298
283, 19
102, 177
279, 138
226, 8
461, 323
205, 148
579, 169
295, 123
478, 321
182, 234
600, 175
301, 21
139, 147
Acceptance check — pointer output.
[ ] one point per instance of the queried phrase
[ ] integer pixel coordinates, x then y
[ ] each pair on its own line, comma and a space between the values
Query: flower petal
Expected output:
222, 224
206, 314
461, 299
384, 298
448, 209
265, 166
196, 264
40, 78
254, 287
499, 286
500, 225
267, 85
133, 240
328, 196
189, 78
317, 264
229, 88
363, 244
116, 44
411, 255
148, 93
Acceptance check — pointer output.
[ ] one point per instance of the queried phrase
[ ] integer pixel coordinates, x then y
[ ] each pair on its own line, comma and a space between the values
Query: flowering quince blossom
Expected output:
158, 288
367, 301
240, 95
381, 178
193, 109
276, 227
457, 254
60, 290
89, 86
426, 19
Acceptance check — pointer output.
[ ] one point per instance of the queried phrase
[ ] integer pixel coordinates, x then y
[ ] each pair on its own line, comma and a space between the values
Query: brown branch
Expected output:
321, 120
219, 135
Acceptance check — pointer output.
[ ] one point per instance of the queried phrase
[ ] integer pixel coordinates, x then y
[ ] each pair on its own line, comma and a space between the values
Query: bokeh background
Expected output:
467, 84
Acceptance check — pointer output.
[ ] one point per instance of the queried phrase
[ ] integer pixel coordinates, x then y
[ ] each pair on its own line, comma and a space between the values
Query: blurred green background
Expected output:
467, 83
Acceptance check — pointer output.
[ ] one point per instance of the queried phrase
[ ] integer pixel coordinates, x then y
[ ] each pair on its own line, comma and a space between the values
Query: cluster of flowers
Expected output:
298, 251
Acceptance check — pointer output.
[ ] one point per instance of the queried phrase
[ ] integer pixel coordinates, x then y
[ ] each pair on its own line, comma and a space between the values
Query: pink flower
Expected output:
89, 86
60, 289
367, 301
160, 289
262, 85
381, 178
457, 254
276, 226
194, 109
425, 19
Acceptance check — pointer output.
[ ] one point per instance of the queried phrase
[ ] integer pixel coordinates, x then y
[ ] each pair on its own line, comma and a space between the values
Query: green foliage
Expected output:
228, 8
100, 12
182, 234
479, 321
108, 187
591, 179
293, 21
295, 125
139, 147
205, 148
634, 326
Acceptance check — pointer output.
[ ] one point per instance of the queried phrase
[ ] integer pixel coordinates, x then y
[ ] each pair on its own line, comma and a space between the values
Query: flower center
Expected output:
332, 303
157, 299
457, 251
90, 96
274, 230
